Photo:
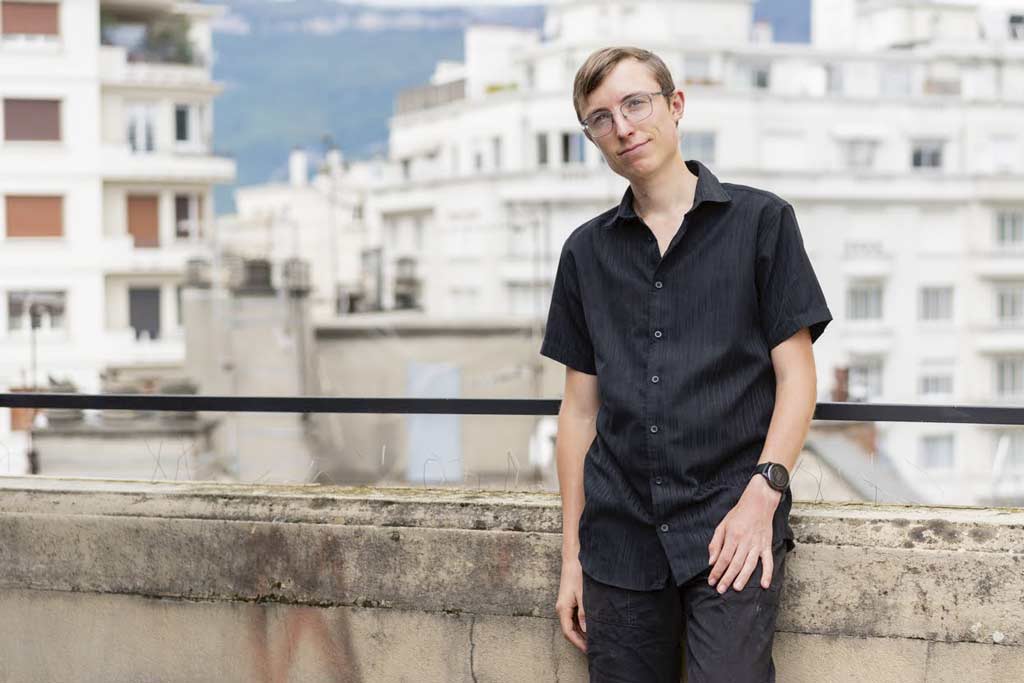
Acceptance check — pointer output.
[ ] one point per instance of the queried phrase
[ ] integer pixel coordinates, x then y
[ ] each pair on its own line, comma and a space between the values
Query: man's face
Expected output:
635, 150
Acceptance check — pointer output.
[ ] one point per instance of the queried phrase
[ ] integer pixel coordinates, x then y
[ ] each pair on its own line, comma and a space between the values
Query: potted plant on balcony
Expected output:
167, 41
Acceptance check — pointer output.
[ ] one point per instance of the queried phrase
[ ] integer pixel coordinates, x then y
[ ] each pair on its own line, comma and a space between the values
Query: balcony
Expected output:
120, 164
118, 69
430, 96
389, 584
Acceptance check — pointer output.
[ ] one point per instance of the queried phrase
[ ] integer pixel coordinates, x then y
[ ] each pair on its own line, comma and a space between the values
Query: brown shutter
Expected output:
31, 119
144, 220
35, 216
35, 18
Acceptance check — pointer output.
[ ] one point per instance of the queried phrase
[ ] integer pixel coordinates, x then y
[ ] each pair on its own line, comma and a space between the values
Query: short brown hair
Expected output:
600, 63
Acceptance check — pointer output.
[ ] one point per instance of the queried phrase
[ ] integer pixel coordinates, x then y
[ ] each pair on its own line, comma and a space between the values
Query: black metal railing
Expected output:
852, 412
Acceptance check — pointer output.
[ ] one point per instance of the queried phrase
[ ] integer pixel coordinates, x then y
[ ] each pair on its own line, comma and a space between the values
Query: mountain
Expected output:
297, 70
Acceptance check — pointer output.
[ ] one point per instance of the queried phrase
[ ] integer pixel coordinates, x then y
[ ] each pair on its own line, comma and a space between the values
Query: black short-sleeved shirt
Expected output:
681, 347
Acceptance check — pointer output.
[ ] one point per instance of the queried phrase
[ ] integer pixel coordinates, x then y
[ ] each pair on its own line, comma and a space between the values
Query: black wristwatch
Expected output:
776, 474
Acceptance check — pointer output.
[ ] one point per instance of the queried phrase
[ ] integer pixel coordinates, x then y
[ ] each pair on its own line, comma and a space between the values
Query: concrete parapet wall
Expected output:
129, 581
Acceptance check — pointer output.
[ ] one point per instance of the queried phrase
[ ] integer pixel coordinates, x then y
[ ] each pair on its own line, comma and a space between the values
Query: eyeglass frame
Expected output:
586, 127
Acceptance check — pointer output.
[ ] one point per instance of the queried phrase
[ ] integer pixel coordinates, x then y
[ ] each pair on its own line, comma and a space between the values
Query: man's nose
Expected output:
622, 125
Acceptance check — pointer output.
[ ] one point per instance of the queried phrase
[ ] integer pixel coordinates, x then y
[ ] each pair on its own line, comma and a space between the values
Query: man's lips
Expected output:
627, 151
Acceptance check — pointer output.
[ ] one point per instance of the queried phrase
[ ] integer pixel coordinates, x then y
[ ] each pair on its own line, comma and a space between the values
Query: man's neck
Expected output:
669, 192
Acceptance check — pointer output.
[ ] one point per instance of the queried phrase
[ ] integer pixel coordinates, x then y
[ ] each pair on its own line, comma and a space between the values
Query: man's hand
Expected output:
743, 536
569, 605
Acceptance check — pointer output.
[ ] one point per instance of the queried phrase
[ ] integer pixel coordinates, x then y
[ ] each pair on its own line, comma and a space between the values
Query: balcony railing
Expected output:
836, 411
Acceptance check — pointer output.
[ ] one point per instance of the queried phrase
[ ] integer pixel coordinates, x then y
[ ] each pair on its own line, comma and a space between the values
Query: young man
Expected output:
685, 317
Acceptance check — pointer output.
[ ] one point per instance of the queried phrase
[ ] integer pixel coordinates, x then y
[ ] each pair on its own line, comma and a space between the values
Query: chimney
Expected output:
334, 163
297, 172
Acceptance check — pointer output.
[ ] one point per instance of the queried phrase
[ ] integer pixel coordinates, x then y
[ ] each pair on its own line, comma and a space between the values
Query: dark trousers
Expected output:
636, 636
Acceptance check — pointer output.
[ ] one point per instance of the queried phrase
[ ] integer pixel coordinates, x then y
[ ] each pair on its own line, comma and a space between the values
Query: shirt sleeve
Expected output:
566, 336
789, 295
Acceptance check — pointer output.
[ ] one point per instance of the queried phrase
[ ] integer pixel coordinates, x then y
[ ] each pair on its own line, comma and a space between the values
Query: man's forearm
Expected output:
575, 434
795, 399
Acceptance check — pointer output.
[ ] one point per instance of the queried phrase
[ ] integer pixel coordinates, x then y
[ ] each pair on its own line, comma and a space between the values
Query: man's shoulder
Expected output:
583, 234
750, 196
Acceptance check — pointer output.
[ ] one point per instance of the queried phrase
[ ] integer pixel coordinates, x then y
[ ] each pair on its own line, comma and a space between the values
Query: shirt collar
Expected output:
708, 190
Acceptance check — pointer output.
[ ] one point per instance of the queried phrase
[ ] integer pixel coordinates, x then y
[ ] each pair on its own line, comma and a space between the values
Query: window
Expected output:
699, 145
478, 161
141, 133
697, 70
1013, 441
406, 164
864, 301
935, 385
188, 213
144, 311
754, 74
31, 120
865, 379
1016, 26
1010, 304
525, 298
927, 154
1004, 153
834, 79
895, 80
936, 303
143, 220
573, 148
522, 237
496, 152
182, 124
1009, 379
936, 451
34, 216
29, 18
858, 154
189, 125
1010, 228
47, 308
542, 149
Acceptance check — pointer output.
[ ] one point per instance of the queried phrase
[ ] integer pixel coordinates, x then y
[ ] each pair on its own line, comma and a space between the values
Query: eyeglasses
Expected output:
637, 108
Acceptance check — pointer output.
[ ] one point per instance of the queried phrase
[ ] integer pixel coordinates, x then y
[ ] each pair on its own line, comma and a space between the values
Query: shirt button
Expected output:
655, 379
664, 527
654, 429
657, 334
658, 480
657, 284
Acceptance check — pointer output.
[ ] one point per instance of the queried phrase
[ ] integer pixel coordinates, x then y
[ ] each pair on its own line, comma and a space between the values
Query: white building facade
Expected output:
106, 175
896, 134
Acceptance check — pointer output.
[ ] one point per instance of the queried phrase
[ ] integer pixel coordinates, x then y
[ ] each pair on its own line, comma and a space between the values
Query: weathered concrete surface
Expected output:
129, 581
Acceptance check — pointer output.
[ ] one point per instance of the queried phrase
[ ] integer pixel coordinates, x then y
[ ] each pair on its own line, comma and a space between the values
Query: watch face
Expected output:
778, 476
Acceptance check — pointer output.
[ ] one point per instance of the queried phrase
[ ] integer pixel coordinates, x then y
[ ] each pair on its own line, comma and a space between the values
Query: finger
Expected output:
565, 620
582, 617
569, 629
748, 568
768, 566
722, 562
732, 570
716, 544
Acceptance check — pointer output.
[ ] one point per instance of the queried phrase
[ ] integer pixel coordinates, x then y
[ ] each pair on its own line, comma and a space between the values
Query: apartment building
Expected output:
106, 174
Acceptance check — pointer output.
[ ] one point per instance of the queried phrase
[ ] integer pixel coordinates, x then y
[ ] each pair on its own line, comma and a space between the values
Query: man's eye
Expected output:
635, 102
600, 119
